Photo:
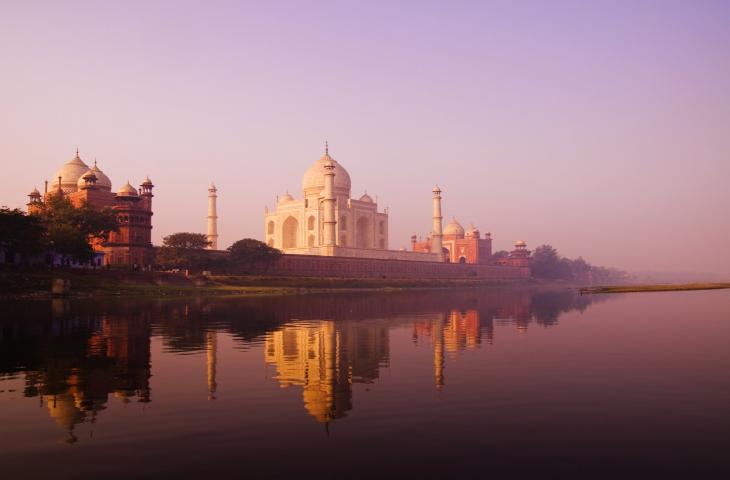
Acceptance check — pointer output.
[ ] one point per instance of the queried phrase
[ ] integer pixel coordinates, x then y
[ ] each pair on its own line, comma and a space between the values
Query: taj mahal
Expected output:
327, 221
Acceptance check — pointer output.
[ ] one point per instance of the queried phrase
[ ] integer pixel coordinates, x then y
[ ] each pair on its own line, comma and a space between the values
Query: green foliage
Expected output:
186, 240
20, 233
184, 250
546, 263
69, 231
251, 254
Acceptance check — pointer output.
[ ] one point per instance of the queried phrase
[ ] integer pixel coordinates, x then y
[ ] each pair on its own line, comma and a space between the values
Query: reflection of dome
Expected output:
70, 174
313, 180
127, 191
286, 198
366, 198
454, 228
102, 181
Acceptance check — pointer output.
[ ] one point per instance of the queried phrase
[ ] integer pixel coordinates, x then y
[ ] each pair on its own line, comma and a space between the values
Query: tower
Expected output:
437, 235
330, 222
212, 218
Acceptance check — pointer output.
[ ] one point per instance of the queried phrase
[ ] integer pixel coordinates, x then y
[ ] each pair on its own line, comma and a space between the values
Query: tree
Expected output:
249, 253
21, 234
70, 231
546, 262
183, 250
500, 254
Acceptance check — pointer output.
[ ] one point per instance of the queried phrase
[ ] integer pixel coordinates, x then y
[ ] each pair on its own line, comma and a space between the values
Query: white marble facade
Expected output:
297, 225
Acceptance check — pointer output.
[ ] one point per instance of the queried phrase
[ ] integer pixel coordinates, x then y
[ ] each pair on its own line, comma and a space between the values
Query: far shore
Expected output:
654, 288
36, 284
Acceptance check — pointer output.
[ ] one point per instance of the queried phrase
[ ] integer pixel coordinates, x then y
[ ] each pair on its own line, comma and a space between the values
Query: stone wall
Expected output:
371, 253
318, 266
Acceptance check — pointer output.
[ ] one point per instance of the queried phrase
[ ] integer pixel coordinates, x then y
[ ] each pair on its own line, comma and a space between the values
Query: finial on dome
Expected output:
326, 147
95, 162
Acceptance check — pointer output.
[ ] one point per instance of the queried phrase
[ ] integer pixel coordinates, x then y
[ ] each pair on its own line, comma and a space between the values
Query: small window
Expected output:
270, 228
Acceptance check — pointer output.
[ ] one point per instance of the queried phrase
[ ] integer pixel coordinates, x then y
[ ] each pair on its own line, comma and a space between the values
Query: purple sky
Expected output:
603, 130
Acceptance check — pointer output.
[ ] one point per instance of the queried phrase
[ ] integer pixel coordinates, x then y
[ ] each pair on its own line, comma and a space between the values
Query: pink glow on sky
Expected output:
603, 130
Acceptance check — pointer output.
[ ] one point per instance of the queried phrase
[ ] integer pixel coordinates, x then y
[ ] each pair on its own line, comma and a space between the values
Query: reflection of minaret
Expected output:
438, 354
211, 361
212, 217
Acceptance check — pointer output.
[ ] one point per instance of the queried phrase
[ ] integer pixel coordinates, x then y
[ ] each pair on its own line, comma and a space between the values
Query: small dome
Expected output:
147, 181
472, 231
102, 181
313, 179
89, 174
366, 198
286, 198
70, 173
454, 228
34, 193
127, 191
520, 243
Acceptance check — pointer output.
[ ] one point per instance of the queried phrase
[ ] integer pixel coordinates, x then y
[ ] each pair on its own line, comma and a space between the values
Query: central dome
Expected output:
313, 180
70, 174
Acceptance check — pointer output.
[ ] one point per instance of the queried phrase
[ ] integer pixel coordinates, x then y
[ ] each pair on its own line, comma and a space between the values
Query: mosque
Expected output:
131, 245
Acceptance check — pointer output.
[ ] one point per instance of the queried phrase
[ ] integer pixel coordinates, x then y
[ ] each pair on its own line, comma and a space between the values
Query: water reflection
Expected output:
74, 356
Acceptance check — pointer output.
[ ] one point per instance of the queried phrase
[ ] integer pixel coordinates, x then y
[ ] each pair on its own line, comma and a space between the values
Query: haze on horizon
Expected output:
603, 130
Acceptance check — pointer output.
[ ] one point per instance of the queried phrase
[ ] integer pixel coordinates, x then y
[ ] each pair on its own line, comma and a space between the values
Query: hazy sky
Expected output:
602, 129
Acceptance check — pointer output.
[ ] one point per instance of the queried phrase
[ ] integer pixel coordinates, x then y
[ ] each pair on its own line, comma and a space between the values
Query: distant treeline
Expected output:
547, 264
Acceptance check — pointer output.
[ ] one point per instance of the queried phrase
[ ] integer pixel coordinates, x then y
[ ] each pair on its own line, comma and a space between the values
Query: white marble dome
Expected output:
70, 173
286, 198
454, 228
313, 180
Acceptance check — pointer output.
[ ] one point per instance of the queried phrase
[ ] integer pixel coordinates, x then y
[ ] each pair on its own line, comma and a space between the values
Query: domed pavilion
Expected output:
297, 225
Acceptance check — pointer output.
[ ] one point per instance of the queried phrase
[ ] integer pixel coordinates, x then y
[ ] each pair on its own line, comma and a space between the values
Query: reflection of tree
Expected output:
74, 355
74, 363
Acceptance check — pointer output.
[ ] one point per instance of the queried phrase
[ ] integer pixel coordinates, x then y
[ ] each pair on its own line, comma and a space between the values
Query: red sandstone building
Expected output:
131, 245
460, 246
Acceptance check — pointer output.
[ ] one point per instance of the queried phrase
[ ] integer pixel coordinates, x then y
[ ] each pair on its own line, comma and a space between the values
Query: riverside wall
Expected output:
348, 267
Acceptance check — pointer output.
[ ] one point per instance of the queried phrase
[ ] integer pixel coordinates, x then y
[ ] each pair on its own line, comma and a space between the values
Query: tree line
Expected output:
57, 226
185, 250
546, 263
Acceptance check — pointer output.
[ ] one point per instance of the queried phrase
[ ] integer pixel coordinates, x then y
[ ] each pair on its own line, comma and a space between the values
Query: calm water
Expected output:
498, 383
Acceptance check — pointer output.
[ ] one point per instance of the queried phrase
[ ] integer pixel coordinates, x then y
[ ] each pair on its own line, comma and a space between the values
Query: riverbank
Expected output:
87, 283
654, 288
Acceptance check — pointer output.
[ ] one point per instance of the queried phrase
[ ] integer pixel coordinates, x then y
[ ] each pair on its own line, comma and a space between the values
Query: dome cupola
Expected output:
102, 181
313, 179
70, 174
127, 191
454, 228
366, 198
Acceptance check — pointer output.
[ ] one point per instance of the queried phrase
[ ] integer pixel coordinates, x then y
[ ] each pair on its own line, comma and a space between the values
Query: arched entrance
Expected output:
289, 233
364, 234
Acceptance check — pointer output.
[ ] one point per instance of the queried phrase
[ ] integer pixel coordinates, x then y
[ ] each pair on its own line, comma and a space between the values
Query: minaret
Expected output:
436, 236
212, 218
330, 221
